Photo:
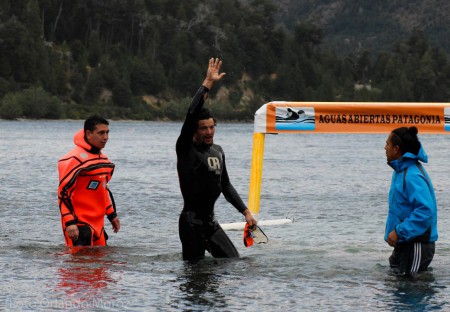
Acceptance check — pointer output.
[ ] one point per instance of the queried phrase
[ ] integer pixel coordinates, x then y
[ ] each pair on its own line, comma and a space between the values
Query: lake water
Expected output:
331, 258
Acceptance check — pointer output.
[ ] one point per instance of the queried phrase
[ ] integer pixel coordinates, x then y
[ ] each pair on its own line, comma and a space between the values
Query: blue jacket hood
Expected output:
408, 159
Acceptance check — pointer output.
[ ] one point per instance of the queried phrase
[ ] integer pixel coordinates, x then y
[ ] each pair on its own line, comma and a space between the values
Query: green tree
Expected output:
36, 103
94, 86
77, 50
122, 95
10, 107
5, 87
186, 77
95, 50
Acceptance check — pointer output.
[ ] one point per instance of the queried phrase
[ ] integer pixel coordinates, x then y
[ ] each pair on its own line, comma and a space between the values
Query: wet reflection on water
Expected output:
84, 279
199, 283
85, 273
414, 293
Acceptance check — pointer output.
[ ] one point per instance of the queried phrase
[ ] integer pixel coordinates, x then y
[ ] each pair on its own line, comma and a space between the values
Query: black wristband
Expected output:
72, 222
112, 216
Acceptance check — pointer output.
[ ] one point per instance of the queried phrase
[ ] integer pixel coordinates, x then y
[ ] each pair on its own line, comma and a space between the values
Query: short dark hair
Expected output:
93, 121
406, 139
203, 114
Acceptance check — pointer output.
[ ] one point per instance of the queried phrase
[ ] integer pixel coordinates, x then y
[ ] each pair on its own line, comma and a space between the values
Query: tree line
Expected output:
144, 59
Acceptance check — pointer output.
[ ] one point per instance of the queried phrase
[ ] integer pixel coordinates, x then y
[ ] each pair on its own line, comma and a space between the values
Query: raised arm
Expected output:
212, 76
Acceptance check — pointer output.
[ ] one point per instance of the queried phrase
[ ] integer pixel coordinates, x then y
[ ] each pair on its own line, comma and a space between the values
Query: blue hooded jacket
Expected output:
412, 202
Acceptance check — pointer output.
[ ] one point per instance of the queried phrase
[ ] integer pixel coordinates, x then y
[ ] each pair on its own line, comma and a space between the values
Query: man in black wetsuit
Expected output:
203, 177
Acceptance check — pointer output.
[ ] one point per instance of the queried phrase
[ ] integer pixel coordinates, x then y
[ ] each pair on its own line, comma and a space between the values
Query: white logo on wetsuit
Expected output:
214, 164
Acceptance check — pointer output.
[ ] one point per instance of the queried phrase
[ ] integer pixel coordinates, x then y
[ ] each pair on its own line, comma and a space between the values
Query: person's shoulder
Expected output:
67, 162
69, 154
414, 174
79, 154
218, 147
105, 157
183, 143
221, 151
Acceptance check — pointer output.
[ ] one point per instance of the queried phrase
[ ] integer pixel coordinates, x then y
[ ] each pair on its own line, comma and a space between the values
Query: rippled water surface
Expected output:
331, 258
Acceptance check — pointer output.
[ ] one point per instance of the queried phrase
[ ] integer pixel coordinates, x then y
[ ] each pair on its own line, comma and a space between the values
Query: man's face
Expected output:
392, 151
99, 136
205, 132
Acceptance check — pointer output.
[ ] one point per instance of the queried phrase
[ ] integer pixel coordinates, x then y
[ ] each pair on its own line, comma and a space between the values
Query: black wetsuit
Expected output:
203, 177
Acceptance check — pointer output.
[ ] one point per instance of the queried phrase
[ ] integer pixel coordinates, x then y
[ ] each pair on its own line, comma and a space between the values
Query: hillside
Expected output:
143, 59
351, 26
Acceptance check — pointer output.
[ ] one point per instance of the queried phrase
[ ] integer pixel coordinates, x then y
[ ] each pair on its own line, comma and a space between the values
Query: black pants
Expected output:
198, 235
86, 237
410, 258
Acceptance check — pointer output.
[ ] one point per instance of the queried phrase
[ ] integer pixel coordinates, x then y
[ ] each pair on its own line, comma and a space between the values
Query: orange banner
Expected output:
346, 117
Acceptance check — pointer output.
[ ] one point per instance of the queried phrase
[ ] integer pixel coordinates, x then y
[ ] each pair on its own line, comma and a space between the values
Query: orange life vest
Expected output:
83, 195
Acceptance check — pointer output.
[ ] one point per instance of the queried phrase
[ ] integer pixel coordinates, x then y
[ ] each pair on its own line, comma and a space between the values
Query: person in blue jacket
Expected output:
411, 225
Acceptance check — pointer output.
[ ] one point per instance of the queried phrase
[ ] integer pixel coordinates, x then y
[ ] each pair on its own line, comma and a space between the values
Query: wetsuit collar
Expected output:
201, 146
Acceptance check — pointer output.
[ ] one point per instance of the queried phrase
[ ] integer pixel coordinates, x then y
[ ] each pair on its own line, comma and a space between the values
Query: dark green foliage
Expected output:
95, 50
69, 59
146, 78
122, 95
33, 103
11, 107
94, 86
176, 109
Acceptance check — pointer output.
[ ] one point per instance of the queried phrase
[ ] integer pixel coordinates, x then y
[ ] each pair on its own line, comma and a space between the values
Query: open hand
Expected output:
212, 74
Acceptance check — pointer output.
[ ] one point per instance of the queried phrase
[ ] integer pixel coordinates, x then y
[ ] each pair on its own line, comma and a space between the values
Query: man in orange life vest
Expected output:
83, 195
